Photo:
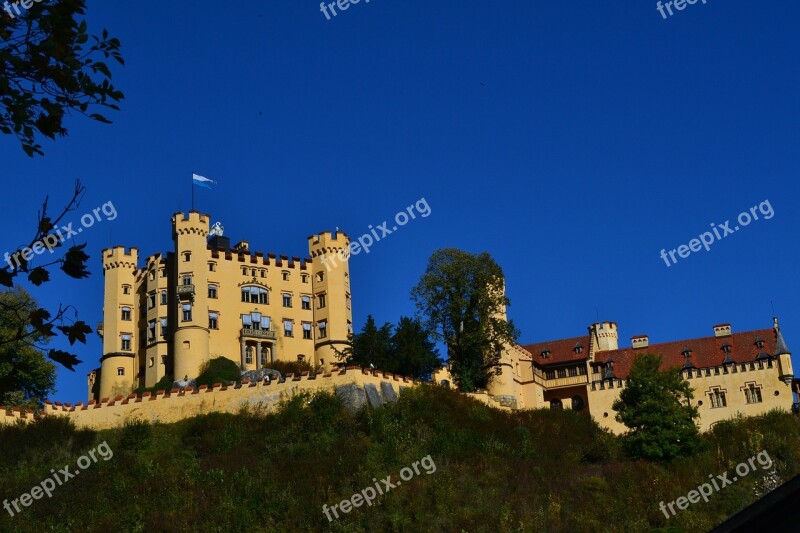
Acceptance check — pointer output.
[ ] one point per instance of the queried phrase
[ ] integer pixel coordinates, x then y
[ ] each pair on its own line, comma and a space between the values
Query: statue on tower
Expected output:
217, 229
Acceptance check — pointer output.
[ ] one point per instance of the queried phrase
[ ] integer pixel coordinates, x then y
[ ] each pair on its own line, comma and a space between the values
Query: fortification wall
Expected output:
354, 385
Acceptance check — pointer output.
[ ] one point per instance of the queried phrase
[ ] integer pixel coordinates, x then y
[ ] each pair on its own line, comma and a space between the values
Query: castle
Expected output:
746, 373
207, 299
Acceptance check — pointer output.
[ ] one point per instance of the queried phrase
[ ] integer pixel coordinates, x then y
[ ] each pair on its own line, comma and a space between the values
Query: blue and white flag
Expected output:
200, 181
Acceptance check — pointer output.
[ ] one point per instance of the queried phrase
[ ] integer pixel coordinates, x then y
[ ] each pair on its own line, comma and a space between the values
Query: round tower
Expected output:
333, 316
120, 332
605, 336
190, 278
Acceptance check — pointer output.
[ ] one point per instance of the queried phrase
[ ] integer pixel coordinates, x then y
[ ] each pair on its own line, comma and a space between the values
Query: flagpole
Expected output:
192, 192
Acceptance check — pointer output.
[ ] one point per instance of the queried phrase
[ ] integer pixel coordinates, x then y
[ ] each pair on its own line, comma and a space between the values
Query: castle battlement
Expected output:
176, 405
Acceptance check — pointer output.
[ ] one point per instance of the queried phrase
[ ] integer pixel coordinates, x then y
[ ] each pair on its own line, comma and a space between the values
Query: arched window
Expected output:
264, 353
248, 355
555, 404
577, 403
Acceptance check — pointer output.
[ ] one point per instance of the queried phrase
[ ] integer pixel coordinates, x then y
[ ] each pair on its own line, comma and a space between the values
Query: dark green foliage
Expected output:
218, 370
136, 435
523, 471
656, 406
291, 367
50, 66
27, 378
164, 384
461, 295
406, 349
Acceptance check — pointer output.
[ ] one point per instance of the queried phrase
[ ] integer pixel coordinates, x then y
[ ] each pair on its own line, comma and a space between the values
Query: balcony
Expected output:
259, 333
186, 292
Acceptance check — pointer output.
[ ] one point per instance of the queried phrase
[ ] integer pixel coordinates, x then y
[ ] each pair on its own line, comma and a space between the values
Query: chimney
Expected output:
640, 341
722, 330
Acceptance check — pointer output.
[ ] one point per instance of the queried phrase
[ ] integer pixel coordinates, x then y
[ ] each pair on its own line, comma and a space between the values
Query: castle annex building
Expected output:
207, 299
745, 373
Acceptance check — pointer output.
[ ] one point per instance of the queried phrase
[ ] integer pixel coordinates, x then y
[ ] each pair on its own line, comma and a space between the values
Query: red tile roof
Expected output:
561, 351
706, 351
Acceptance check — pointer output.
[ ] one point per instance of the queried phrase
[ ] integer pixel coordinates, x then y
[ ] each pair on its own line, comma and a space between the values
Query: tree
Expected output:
461, 296
32, 326
413, 352
26, 376
47, 70
656, 406
372, 346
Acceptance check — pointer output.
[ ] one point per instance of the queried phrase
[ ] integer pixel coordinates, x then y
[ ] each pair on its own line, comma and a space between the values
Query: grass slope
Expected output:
495, 471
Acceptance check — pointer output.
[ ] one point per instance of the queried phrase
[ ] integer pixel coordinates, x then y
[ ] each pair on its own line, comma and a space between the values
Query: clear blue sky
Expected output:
570, 140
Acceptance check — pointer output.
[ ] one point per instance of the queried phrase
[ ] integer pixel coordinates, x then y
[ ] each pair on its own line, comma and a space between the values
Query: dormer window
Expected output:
726, 348
546, 353
759, 342
687, 352
578, 348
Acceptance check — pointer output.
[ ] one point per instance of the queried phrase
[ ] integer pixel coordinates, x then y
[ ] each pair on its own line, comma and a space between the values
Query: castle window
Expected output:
263, 353
163, 272
321, 300
306, 330
244, 271
187, 312
255, 318
349, 327
151, 300
285, 275
578, 348
752, 393
556, 405
151, 330
581, 370
562, 372
305, 302
577, 403
126, 289
187, 279
120, 371
248, 355
126, 313
163, 327
212, 267
320, 276
213, 320
253, 272
323, 329
287, 300
573, 371
550, 374
301, 358
212, 291
347, 300
717, 397
163, 297
247, 321
152, 362
759, 342
304, 278
187, 256
152, 275
126, 342
263, 273
287, 328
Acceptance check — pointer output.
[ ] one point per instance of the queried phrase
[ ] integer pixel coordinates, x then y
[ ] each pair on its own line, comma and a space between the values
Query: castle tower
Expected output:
333, 316
118, 365
603, 337
504, 387
190, 278
783, 354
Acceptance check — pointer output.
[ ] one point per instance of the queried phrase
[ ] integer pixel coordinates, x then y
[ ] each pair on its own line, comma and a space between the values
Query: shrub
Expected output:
218, 370
291, 367
136, 435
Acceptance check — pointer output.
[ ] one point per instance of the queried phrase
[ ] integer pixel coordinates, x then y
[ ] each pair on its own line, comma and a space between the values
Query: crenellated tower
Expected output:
333, 316
118, 365
190, 279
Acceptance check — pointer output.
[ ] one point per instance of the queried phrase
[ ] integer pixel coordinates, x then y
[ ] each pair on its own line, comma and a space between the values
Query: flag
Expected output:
200, 181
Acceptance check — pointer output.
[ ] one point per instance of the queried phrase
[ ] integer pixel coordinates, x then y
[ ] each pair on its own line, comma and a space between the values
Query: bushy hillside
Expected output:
494, 471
